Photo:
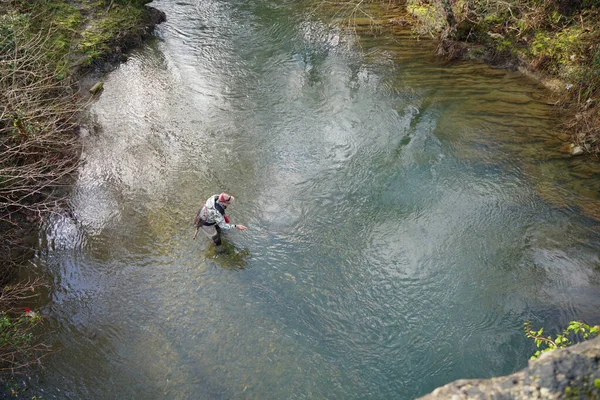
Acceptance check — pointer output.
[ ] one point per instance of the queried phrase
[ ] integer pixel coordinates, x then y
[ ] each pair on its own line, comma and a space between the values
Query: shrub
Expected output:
574, 333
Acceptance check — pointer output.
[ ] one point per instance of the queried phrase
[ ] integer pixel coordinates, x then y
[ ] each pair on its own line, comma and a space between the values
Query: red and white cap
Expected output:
226, 197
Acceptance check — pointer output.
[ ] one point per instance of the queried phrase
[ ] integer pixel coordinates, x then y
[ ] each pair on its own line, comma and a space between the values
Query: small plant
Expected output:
576, 332
15, 331
17, 347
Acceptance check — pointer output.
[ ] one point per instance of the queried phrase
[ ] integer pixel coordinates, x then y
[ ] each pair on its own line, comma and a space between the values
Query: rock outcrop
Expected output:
569, 373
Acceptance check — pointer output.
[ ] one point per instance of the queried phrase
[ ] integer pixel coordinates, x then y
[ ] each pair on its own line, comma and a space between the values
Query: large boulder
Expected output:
569, 373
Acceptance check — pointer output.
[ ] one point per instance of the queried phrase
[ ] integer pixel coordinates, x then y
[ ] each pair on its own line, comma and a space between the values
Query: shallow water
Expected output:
405, 215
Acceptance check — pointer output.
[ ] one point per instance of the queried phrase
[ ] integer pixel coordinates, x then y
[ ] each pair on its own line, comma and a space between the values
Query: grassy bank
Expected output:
46, 47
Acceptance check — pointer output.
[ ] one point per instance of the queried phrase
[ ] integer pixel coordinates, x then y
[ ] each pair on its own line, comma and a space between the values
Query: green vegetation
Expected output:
87, 31
575, 332
96, 39
431, 19
19, 345
16, 337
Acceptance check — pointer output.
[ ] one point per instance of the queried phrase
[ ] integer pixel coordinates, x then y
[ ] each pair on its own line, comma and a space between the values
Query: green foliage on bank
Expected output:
559, 37
15, 332
82, 33
574, 333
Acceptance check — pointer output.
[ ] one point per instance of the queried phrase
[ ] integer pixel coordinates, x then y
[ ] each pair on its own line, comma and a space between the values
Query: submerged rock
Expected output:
572, 372
576, 150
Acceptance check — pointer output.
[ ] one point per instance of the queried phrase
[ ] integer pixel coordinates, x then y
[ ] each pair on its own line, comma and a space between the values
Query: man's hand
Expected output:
241, 227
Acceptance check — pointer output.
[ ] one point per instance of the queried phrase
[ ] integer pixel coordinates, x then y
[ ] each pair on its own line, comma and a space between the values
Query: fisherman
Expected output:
212, 219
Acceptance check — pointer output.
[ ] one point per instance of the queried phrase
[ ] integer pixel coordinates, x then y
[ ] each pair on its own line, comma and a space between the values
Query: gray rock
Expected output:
572, 372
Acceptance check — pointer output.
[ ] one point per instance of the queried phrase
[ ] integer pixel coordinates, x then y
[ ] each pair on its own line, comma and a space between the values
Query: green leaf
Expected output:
559, 339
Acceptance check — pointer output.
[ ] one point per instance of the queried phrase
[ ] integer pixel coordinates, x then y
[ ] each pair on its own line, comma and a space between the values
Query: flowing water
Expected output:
405, 215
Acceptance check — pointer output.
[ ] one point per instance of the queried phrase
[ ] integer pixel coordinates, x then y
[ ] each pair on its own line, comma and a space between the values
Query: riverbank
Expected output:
48, 52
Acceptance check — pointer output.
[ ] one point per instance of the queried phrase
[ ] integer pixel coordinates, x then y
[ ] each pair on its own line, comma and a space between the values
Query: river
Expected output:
406, 216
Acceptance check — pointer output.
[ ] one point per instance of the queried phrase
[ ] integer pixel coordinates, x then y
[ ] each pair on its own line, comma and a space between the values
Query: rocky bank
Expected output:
569, 373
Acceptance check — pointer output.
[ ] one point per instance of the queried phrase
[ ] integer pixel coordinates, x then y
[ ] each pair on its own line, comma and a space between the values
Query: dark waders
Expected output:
212, 231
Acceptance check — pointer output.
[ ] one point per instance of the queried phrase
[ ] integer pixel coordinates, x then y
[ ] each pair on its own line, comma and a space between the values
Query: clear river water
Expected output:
406, 216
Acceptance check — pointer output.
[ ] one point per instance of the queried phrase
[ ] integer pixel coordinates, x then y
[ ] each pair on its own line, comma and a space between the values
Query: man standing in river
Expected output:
212, 219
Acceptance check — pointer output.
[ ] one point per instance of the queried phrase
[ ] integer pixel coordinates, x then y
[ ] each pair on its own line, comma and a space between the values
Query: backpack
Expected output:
201, 216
